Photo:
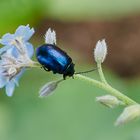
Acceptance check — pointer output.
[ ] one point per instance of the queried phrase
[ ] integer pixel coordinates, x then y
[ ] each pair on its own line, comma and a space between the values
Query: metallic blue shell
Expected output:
55, 59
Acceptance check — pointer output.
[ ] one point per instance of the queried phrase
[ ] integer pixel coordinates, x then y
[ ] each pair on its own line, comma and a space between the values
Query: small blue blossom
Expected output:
15, 57
21, 35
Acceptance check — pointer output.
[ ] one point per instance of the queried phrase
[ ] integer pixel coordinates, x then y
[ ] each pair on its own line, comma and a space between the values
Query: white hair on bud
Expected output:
130, 113
100, 51
48, 88
50, 37
109, 101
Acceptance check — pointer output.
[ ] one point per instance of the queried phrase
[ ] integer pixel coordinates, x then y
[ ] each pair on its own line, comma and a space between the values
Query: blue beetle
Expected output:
54, 59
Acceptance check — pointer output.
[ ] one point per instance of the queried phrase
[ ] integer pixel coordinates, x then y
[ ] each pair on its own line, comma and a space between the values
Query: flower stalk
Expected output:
101, 74
108, 88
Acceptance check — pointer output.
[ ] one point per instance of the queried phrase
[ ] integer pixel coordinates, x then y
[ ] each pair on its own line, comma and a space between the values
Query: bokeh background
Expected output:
72, 113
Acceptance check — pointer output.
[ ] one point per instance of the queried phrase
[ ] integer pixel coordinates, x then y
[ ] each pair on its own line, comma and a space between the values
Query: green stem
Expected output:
101, 74
108, 88
35, 64
31, 64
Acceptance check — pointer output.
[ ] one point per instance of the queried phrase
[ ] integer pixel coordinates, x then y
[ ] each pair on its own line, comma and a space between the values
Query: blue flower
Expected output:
15, 57
22, 35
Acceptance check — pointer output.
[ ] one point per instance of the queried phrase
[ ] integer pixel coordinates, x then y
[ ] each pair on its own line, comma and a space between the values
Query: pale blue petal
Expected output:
10, 86
4, 49
30, 49
3, 81
6, 39
14, 52
18, 76
25, 32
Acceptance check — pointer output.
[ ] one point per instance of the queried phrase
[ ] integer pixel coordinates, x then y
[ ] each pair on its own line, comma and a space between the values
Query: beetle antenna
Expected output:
81, 72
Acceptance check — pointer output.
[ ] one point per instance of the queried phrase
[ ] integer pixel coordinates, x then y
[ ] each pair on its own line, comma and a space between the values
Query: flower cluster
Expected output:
15, 57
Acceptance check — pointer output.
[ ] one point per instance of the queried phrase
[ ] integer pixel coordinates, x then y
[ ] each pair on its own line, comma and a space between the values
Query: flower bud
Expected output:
130, 113
109, 101
48, 88
100, 51
50, 37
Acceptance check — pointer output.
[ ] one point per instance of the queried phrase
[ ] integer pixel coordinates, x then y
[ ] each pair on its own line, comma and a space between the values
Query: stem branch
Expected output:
108, 88
101, 74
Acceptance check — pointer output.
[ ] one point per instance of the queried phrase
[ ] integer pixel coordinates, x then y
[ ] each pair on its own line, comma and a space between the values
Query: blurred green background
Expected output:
71, 113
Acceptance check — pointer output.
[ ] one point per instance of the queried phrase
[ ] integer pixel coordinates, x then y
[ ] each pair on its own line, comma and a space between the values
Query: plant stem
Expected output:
32, 64
101, 74
108, 88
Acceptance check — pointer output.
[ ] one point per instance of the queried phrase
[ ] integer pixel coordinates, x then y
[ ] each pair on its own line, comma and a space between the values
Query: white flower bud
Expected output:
100, 51
109, 101
130, 113
48, 88
50, 37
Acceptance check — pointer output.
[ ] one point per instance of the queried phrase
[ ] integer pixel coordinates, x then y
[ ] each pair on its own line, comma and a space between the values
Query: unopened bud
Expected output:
50, 37
48, 88
109, 101
130, 113
100, 51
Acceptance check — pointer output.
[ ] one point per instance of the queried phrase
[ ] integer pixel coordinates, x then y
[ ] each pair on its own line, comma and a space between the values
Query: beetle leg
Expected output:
45, 68
64, 77
54, 72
